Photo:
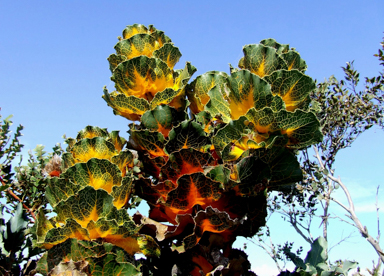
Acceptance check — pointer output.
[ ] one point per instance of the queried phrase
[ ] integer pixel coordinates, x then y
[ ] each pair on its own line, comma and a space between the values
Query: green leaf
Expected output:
175, 96
97, 173
231, 133
169, 54
96, 147
318, 252
262, 60
280, 48
121, 194
116, 140
292, 86
294, 61
248, 90
115, 60
13, 237
134, 29
346, 266
197, 91
219, 173
85, 206
301, 128
124, 161
129, 107
99, 257
91, 132
147, 141
188, 134
138, 45
217, 106
143, 77
59, 189
162, 119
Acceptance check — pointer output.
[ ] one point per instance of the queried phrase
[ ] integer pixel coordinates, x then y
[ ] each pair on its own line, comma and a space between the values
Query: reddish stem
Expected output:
18, 199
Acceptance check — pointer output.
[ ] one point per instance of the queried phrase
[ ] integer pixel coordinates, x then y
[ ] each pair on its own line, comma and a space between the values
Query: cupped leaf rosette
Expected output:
269, 69
91, 194
263, 104
144, 75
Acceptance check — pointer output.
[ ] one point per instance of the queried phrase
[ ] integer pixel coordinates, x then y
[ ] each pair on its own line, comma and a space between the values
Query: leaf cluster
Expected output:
315, 262
16, 251
9, 148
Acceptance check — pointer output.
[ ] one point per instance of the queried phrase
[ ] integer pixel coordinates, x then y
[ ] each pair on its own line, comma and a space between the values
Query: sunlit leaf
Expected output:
99, 257
131, 30
138, 45
262, 60
121, 194
96, 147
175, 96
280, 48
217, 106
116, 140
91, 132
292, 86
145, 83
88, 204
115, 60
67, 160
97, 173
231, 133
294, 61
59, 189
247, 91
129, 107
302, 128
162, 119
143, 77
188, 134
198, 90
150, 142
169, 54
124, 161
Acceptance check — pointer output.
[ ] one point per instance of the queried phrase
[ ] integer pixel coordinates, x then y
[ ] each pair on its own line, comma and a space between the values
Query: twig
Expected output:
341, 241
18, 199
377, 214
271, 252
351, 210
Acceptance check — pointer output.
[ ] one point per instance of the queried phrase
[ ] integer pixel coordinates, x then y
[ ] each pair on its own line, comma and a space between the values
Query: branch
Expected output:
271, 253
341, 241
18, 199
351, 210
293, 222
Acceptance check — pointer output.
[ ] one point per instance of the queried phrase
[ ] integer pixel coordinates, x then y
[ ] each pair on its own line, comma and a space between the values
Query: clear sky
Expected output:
53, 65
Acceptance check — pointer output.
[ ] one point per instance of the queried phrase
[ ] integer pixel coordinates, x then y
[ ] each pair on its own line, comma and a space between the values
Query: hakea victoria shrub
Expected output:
205, 175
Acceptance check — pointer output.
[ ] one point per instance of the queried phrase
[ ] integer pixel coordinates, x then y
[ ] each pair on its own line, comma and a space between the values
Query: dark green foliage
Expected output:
16, 250
316, 262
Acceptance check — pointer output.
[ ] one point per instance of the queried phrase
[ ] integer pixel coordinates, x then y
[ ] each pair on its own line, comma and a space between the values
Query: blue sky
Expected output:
53, 63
